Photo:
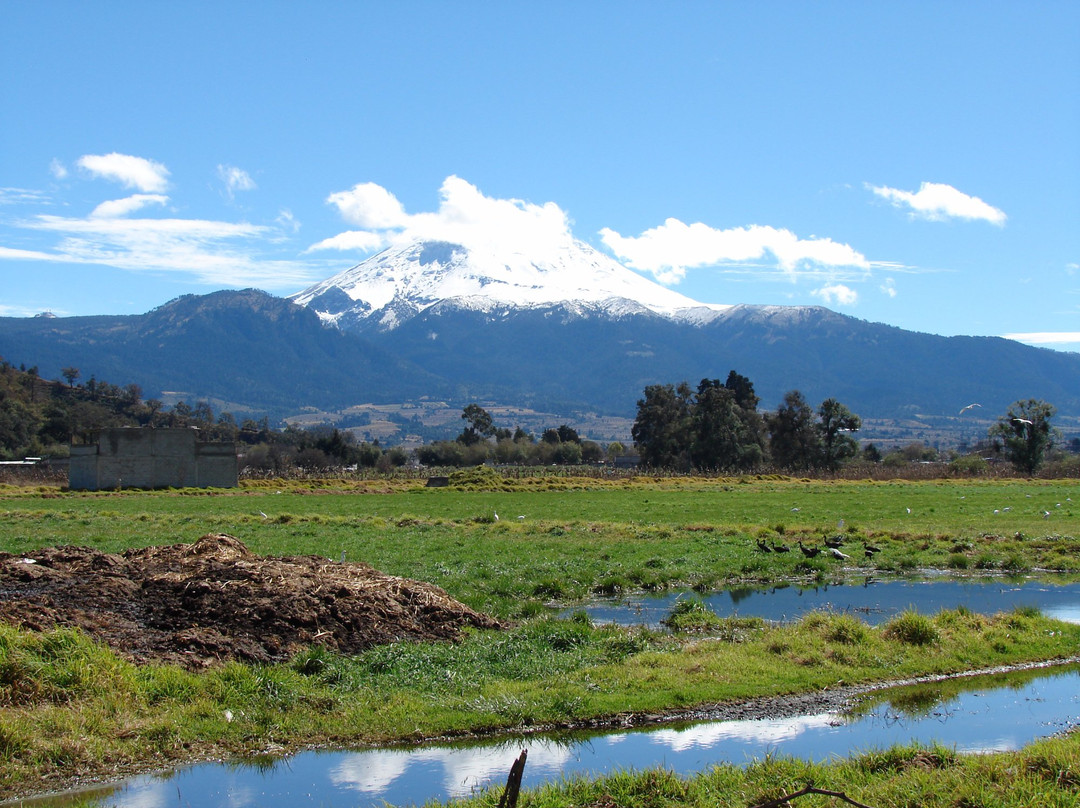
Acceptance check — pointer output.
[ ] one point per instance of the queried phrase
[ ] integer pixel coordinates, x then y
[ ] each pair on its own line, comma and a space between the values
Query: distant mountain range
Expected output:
575, 332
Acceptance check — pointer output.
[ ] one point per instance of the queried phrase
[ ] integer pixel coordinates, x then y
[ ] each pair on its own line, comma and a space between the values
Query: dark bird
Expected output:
780, 548
871, 549
809, 552
834, 542
761, 545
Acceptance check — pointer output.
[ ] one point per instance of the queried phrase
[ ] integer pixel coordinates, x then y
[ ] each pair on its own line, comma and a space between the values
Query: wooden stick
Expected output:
811, 790
509, 796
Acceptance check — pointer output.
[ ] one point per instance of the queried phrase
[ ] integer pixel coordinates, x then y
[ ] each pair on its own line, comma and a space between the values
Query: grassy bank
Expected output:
71, 707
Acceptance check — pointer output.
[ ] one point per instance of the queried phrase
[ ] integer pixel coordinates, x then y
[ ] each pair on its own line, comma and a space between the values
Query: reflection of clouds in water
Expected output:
149, 794
371, 772
765, 730
241, 797
463, 769
988, 747
1066, 614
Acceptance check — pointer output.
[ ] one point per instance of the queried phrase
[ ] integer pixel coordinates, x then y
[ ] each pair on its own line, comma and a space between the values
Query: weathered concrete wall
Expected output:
152, 458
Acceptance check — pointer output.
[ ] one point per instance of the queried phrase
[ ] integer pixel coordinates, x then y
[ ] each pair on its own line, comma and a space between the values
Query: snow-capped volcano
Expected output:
398, 283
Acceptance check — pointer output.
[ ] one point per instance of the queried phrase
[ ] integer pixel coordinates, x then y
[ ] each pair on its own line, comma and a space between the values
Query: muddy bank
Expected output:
213, 601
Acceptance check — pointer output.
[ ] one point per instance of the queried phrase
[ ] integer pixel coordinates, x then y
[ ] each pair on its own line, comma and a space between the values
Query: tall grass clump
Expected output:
911, 628
58, 666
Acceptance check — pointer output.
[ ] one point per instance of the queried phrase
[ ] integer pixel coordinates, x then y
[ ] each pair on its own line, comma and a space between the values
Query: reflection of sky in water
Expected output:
873, 601
1004, 713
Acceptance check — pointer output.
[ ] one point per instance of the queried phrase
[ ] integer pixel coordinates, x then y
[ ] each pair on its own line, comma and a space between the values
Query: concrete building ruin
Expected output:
152, 458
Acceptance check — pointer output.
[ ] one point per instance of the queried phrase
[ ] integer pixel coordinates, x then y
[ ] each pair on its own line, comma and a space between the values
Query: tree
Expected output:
70, 374
662, 427
480, 425
835, 422
793, 437
1025, 433
716, 427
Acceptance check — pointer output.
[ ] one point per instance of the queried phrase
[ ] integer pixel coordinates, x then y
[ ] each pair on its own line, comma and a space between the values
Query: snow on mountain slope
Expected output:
400, 282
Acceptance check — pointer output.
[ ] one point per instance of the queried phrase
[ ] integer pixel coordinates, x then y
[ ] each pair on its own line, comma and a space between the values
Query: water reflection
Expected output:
873, 601
974, 714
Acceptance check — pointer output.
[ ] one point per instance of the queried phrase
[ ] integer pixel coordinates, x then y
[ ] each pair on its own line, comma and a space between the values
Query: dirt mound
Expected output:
215, 600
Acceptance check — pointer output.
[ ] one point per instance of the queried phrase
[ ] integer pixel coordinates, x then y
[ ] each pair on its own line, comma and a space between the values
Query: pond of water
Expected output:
872, 600
976, 714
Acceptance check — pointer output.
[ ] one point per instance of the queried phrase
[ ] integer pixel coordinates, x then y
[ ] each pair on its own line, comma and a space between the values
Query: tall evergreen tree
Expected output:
794, 440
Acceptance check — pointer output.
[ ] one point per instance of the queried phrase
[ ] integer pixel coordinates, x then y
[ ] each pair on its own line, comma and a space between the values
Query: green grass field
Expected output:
581, 537
68, 706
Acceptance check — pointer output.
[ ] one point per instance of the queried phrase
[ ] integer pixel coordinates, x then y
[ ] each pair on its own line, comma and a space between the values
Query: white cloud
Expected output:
349, 241
131, 172
217, 253
13, 254
122, 207
369, 206
937, 202
235, 179
837, 293
1046, 337
58, 169
22, 196
464, 216
669, 250
287, 221
889, 287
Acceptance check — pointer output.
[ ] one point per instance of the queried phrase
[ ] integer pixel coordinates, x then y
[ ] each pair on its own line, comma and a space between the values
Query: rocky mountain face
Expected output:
575, 332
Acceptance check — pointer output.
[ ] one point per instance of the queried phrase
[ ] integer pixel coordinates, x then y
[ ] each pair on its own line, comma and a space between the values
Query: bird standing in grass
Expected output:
809, 552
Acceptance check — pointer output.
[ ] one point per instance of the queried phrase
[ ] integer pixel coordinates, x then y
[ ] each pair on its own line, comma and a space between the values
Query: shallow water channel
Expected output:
971, 714
872, 600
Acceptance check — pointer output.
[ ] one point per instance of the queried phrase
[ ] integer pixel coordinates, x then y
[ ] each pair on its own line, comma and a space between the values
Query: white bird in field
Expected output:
1046, 514
794, 510
263, 515
968, 407
837, 554
496, 516
522, 516
908, 510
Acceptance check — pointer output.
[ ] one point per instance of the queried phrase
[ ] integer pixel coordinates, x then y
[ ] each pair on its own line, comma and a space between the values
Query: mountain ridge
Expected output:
252, 351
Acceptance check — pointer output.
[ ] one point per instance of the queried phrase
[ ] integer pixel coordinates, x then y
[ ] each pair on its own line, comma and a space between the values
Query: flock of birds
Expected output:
831, 548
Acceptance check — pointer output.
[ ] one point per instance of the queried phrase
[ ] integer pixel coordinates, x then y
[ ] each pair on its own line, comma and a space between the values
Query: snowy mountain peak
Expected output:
402, 281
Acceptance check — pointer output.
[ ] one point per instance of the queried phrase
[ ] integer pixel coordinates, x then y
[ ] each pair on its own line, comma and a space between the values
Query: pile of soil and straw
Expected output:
214, 600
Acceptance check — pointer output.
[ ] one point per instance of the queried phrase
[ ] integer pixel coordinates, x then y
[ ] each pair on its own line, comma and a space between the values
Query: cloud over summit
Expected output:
464, 216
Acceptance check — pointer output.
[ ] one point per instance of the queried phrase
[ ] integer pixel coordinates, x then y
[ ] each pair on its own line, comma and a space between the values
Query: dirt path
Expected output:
212, 601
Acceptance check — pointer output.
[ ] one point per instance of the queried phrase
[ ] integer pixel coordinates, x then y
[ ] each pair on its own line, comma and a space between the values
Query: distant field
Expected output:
579, 537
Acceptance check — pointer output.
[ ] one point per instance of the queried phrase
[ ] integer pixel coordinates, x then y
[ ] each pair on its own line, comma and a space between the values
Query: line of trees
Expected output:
481, 441
717, 427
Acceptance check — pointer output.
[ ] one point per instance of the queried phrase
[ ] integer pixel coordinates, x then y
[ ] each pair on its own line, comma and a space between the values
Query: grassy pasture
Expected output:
581, 537
68, 706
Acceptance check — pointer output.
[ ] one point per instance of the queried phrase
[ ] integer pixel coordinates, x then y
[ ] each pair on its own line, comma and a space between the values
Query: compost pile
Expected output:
213, 601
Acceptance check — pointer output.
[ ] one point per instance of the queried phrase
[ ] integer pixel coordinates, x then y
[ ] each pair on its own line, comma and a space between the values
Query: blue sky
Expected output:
912, 163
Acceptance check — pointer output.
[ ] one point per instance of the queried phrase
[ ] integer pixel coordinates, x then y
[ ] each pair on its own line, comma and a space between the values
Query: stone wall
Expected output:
152, 458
